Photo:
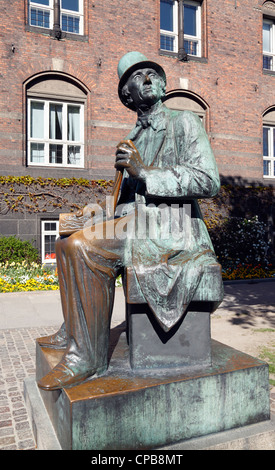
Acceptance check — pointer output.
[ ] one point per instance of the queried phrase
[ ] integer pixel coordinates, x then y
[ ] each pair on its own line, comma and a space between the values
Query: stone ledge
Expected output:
42, 427
259, 436
124, 409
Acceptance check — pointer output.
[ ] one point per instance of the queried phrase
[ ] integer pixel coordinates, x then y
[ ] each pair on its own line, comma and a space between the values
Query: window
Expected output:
55, 133
269, 143
55, 120
49, 234
41, 13
70, 14
269, 44
170, 28
192, 28
269, 151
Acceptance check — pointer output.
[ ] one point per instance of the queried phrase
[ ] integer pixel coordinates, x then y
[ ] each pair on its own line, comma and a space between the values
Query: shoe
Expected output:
63, 376
57, 341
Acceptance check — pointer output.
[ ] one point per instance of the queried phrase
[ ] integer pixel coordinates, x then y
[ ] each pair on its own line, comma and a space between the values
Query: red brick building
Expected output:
60, 114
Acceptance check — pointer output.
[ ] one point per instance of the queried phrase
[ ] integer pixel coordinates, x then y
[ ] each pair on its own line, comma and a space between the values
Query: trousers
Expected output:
88, 264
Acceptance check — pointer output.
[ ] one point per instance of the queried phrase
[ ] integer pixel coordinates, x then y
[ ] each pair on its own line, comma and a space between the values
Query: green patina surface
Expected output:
135, 411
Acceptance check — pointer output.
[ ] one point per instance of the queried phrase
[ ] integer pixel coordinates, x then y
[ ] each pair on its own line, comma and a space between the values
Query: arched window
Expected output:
186, 100
55, 121
269, 143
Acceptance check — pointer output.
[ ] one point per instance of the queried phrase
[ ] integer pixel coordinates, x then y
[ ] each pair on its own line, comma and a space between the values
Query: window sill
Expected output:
190, 58
50, 32
269, 72
55, 167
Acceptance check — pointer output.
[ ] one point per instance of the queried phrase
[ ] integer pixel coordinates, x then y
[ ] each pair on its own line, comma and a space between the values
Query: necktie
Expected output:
145, 122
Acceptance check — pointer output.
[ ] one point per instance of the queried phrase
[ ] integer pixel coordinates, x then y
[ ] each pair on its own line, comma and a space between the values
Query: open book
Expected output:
71, 223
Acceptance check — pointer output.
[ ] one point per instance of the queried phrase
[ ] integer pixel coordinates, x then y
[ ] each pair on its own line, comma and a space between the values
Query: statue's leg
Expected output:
88, 270
58, 340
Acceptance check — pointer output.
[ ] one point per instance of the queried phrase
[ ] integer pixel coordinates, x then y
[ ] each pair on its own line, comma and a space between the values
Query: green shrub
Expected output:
240, 241
14, 249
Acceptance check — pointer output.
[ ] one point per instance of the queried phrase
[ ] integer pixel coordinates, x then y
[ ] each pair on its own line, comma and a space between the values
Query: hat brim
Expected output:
142, 64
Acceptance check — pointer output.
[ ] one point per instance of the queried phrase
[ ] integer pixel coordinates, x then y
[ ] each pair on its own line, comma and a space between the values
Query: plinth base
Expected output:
128, 410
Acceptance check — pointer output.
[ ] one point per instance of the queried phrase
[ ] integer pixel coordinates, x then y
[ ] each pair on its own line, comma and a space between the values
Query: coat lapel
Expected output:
159, 124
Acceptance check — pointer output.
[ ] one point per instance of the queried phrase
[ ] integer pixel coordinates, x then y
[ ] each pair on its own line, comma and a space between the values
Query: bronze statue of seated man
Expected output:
165, 163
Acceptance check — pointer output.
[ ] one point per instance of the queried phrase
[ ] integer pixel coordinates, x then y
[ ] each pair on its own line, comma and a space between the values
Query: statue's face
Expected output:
145, 87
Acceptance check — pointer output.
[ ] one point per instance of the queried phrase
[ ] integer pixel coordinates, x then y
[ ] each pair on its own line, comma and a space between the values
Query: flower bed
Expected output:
19, 277
248, 271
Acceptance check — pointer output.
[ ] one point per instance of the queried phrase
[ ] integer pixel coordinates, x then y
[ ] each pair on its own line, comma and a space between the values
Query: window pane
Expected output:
190, 47
70, 24
266, 167
55, 121
74, 154
70, 5
37, 120
50, 246
40, 18
167, 43
166, 15
56, 153
267, 62
74, 123
273, 141
265, 141
50, 226
37, 153
190, 26
41, 2
267, 37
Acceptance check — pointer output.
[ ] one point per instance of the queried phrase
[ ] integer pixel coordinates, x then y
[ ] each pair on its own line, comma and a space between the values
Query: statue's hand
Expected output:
128, 158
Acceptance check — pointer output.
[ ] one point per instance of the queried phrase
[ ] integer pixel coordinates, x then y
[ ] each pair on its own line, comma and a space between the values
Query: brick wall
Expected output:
229, 79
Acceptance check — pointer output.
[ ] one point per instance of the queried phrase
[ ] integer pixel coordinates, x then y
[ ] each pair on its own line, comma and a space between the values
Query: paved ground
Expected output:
246, 309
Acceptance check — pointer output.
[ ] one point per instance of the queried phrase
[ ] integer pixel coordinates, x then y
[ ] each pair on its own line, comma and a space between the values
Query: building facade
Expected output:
60, 115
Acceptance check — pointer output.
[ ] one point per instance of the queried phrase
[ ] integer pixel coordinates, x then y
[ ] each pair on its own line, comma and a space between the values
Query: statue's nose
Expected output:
147, 79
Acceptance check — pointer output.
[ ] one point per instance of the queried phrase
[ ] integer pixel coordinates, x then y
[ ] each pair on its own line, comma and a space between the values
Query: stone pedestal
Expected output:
126, 409
187, 345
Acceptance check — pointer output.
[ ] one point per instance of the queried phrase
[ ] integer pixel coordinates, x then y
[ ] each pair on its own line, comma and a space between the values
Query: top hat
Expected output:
128, 64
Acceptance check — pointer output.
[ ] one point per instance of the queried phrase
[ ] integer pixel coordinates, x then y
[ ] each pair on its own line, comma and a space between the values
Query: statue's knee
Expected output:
73, 244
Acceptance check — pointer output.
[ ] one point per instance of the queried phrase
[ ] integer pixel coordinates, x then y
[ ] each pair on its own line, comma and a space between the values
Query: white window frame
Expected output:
50, 9
271, 155
73, 14
44, 8
197, 39
270, 54
45, 232
172, 34
46, 141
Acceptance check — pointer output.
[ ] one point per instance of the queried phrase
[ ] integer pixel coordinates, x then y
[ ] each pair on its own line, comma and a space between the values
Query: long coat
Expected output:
169, 258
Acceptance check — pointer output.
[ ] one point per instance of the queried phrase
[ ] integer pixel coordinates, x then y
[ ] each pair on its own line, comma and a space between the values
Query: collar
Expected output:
156, 118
